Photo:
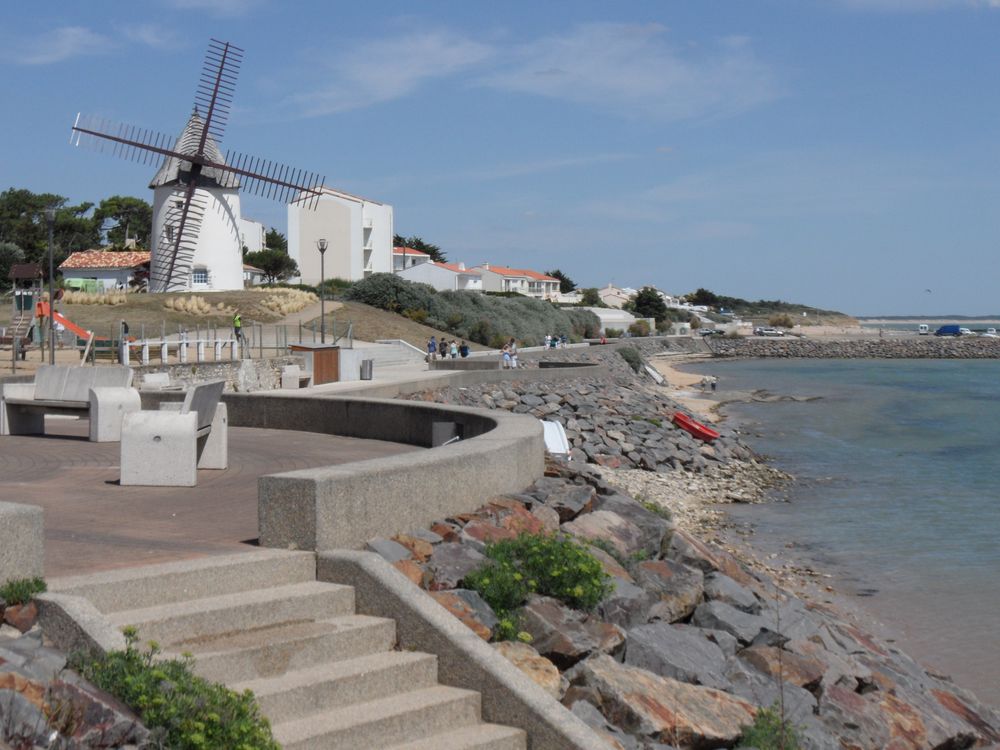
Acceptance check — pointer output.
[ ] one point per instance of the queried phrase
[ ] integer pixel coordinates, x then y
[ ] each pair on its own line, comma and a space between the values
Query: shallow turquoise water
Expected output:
899, 492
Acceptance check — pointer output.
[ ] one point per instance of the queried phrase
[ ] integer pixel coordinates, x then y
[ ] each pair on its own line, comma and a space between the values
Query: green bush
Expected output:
187, 712
770, 732
21, 590
639, 328
613, 333
417, 316
631, 355
547, 565
475, 316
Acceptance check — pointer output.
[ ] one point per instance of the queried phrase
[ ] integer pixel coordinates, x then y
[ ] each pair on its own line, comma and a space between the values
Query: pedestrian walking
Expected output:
454, 349
463, 350
238, 327
432, 349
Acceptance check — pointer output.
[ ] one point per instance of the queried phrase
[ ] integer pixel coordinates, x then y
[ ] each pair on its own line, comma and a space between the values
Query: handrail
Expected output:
400, 342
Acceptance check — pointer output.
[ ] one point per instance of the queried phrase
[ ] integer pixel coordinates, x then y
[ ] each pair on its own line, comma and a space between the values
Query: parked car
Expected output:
949, 330
711, 332
759, 331
923, 329
965, 332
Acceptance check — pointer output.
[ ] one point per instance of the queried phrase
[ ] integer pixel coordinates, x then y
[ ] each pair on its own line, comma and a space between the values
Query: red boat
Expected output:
697, 429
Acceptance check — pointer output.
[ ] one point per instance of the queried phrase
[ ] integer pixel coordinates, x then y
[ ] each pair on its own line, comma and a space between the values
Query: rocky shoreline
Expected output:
909, 347
676, 648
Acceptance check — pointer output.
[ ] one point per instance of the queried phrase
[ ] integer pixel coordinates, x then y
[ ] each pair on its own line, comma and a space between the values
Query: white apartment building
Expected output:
404, 257
444, 276
253, 235
520, 280
358, 232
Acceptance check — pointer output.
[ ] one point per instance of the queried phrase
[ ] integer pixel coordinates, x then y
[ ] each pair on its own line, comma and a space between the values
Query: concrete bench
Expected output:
166, 448
293, 377
104, 394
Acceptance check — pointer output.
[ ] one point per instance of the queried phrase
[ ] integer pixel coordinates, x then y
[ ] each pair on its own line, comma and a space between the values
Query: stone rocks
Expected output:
21, 616
565, 635
540, 670
609, 528
419, 548
785, 666
722, 588
721, 616
569, 501
663, 709
626, 605
682, 653
470, 616
451, 562
677, 588
389, 550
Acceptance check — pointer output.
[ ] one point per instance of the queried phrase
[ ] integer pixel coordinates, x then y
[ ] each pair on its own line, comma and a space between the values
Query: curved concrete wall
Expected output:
343, 506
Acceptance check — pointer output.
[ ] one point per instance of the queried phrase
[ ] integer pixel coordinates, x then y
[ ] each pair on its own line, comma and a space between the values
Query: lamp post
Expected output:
321, 245
50, 215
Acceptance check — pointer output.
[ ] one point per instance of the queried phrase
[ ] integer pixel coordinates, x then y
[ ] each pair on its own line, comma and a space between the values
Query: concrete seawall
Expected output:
922, 347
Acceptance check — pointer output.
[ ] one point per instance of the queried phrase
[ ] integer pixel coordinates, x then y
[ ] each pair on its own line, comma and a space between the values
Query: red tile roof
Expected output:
106, 259
408, 251
504, 271
455, 267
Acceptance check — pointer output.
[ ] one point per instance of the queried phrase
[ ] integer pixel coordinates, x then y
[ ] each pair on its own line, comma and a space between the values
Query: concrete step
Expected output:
149, 585
230, 613
375, 724
475, 737
302, 692
272, 651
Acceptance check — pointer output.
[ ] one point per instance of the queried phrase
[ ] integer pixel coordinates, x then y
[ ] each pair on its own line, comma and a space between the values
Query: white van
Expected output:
923, 329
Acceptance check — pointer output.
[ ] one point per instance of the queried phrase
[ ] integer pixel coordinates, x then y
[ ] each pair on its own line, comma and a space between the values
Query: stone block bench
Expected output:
166, 448
293, 377
104, 394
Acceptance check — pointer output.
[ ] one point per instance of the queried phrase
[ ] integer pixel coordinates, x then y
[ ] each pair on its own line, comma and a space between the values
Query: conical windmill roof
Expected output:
173, 169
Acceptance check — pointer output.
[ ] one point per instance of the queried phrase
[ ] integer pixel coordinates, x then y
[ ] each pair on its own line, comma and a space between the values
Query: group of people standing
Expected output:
509, 354
555, 342
445, 349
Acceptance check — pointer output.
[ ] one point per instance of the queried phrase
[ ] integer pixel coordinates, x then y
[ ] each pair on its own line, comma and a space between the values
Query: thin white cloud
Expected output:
388, 69
54, 46
915, 5
221, 8
152, 35
634, 71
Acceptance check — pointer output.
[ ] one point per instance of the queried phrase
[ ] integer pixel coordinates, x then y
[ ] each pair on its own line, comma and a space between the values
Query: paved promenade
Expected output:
92, 523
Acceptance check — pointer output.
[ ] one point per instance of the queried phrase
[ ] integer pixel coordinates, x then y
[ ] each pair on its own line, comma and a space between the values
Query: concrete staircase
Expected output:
390, 354
325, 676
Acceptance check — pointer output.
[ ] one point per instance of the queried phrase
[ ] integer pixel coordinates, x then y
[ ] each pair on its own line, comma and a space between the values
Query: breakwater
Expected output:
915, 347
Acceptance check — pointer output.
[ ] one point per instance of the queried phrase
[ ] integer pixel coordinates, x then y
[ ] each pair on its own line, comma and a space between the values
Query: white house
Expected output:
208, 254
358, 232
613, 296
253, 235
404, 257
612, 318
252, 276
111, 270
520, 280
444, 276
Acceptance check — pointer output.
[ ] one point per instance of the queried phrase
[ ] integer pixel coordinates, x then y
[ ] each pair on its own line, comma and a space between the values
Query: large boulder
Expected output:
677, 589
655, 528
662, 709
721, 587
568, 500
539, 670
785, 666
695, 553
764, 691
451, 562
593, 718
473, 617
677, 651
721, 616
607, 528
566, 635
626, 605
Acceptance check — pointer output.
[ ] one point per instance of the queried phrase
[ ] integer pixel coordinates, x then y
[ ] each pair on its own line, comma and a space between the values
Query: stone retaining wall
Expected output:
241, 376
916, 347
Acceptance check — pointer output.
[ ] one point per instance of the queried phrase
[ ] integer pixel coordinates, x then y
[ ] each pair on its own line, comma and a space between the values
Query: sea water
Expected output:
897, 493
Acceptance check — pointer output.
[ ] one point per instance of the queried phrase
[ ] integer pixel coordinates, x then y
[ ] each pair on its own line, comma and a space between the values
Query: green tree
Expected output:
275, 264
566, 284
131, 217
591, 298
275, 240
23, 222
416, 243
703, 297
10, 254
649, 304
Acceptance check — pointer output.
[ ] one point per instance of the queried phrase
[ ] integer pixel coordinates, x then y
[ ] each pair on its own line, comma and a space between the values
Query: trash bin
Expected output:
367, 366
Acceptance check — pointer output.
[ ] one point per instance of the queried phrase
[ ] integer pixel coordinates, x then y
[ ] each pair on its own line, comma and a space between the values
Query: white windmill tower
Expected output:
214, 259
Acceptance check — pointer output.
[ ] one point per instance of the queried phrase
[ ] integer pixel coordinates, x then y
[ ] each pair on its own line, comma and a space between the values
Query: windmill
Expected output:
200, 184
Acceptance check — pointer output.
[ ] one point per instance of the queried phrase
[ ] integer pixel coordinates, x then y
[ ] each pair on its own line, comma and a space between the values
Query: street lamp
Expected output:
50, 215
321, 245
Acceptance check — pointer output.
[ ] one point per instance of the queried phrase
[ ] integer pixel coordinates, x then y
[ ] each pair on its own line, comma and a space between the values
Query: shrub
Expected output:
613, 333
782, 320
770, 732
639, 328
20, 590
547, 565
417, 316
631, 355
188, 712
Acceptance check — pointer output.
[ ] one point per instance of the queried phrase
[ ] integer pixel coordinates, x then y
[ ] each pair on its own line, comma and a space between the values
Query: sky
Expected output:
838, 153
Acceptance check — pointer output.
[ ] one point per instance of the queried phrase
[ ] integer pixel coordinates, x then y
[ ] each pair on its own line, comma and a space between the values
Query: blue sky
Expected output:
841, 153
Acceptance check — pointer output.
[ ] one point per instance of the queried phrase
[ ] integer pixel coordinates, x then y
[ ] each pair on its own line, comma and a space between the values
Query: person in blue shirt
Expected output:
432, 348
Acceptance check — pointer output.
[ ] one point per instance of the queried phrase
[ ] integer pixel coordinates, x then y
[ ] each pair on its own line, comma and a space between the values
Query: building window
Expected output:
199, 276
